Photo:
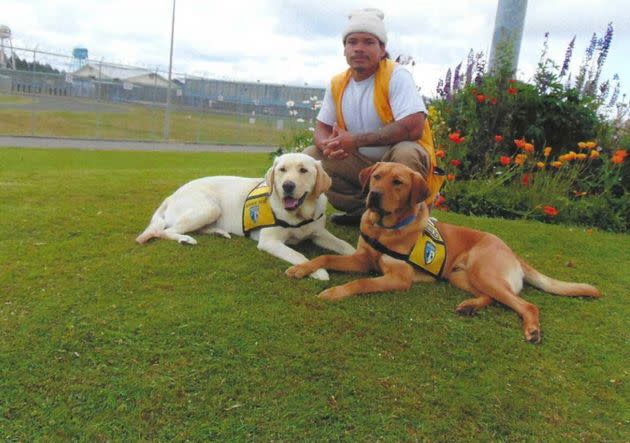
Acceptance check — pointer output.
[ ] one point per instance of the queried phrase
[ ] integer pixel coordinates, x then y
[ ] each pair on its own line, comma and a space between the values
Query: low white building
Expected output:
140, 77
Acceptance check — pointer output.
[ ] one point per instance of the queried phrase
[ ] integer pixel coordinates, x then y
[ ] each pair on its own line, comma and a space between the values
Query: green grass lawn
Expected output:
131, 122
102, 339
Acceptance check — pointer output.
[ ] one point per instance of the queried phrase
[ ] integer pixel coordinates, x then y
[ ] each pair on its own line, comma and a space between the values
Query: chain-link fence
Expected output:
52, 95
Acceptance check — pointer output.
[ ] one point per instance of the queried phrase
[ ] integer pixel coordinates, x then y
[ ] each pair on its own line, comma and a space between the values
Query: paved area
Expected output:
114, 145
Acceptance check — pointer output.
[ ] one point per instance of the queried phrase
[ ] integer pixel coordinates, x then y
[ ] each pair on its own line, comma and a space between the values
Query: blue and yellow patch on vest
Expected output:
429, 253
257, 212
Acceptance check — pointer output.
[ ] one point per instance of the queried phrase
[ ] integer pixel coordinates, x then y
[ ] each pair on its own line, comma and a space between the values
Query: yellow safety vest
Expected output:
428, 254
384, 111
257, 212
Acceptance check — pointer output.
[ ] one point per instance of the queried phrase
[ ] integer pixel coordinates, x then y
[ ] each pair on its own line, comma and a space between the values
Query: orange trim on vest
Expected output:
384, 110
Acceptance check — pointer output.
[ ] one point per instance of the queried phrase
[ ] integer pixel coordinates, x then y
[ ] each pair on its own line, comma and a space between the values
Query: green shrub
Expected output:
552, 150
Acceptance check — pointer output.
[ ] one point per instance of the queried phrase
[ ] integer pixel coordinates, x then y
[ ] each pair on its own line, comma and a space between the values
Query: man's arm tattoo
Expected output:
388, 135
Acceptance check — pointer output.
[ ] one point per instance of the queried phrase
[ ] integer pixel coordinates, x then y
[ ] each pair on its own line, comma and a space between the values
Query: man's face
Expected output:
363, 52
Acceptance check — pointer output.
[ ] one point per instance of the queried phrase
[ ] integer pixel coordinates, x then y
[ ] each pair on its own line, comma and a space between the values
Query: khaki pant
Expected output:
345, 193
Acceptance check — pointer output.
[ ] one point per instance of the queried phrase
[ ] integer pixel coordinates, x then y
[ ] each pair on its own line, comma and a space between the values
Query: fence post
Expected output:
33, 92
98, 99
167, 111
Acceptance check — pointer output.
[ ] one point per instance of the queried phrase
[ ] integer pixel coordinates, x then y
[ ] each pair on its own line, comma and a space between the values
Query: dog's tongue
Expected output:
290, 203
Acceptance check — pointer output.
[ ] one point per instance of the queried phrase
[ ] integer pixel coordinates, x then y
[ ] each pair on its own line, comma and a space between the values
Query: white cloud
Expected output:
298, 41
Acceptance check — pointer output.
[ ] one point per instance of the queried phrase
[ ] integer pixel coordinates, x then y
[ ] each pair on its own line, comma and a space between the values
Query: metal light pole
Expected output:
167, 112
508, 33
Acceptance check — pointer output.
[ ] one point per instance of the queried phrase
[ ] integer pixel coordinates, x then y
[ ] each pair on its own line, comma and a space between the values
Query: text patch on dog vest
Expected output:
257, 211
429, 253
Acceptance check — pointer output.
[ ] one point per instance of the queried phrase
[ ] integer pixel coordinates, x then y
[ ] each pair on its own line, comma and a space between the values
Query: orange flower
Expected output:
511, 90
528, 147
550, 211
568, 157
440, 153
547, 151
582, 145
520, 143
520, 159
580, 156
481, 98
540, 165
450, 177
455, 162
498, 138
617, 159
594, 154
591, 145
621, 153
505, 160
439, 201
556, 164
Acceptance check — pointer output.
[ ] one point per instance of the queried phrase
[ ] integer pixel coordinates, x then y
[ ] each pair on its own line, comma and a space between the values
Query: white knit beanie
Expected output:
368, 20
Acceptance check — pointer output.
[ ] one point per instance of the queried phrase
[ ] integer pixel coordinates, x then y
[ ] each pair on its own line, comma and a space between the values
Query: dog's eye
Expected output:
376, 177
282, 169
303, 170
396, 182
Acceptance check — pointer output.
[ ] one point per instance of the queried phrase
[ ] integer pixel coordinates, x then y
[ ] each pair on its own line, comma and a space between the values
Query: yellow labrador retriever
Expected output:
393, 243
285, 207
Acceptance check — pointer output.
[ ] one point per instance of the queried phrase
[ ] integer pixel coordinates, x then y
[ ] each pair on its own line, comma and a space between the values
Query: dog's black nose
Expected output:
288, 187
374, 200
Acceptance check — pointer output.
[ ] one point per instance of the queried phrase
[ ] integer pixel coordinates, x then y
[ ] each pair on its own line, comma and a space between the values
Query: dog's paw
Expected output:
320, 274
186, 240
223, 233
533, 335
335, 293
466, 310
297, 271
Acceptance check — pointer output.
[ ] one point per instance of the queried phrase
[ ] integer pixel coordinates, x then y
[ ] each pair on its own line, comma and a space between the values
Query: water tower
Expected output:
5, 38
79, 55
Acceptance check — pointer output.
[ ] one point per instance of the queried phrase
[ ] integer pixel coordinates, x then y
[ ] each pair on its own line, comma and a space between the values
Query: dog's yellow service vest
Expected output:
257, 212
428, 254
384, 111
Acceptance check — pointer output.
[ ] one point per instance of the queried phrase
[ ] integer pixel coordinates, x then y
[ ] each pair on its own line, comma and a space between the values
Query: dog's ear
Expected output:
364, 177
270, 175
322, 181
419, 189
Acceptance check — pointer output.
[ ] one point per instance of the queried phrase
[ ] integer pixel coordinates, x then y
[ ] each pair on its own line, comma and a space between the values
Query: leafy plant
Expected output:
519, 149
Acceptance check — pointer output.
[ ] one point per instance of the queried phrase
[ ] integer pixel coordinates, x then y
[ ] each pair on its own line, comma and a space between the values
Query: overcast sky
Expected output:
299, 42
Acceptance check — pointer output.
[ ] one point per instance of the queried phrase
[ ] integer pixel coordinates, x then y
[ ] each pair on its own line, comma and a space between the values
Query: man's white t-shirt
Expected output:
359, 112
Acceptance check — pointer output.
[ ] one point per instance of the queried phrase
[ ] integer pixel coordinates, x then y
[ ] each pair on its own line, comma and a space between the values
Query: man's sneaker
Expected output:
352, 218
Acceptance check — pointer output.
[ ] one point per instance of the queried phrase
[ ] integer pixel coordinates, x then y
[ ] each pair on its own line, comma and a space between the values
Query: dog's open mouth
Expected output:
291, 204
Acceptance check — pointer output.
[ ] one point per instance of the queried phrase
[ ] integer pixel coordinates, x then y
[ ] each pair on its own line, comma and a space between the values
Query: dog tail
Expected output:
156, 226
557, 287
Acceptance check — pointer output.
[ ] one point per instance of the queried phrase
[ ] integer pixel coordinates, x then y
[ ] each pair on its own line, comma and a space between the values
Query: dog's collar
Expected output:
285, 224
401, 224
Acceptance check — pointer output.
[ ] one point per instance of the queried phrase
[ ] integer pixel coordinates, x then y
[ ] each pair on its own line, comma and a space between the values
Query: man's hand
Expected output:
340, 143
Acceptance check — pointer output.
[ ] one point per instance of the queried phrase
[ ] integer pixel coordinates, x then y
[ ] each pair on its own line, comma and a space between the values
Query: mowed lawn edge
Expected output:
103, 339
